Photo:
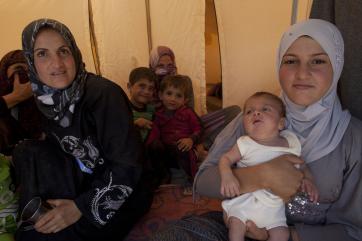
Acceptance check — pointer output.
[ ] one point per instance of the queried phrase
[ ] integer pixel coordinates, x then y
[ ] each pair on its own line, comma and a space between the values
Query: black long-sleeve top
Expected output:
105, 146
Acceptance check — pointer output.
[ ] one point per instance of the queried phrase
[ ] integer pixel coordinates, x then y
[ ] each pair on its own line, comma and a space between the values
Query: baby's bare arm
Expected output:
229, 184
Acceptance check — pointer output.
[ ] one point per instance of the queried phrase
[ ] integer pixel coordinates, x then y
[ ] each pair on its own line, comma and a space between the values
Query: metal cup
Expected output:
33, 210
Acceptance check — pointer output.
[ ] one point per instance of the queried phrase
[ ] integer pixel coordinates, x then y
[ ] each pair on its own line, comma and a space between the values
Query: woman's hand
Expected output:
281, 176
64, 214
293, 234
143, 123
184, 144
20, 93
311, 189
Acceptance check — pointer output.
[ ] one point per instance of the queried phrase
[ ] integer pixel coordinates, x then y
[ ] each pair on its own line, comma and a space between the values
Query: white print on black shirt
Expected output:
108, 200
84, 150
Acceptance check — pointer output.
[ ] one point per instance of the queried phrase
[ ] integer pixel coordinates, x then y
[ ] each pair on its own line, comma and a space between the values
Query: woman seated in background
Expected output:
19, 116
89, 167
309, 64
163, 63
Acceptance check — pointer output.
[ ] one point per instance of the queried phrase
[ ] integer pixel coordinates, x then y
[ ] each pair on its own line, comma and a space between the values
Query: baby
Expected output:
263, 121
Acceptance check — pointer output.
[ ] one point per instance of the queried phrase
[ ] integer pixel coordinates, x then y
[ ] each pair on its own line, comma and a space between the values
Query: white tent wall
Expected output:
15, 15
121, 37
180, 24
122, 40
121, 33
249, 33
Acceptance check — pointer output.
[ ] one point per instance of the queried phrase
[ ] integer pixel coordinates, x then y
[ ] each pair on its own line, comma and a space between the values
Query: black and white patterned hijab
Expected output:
55, 104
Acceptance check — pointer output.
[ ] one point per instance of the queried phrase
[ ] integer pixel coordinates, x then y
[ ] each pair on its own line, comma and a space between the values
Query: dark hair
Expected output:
9, 59
272, 97
176, 81
13, 57
142, 73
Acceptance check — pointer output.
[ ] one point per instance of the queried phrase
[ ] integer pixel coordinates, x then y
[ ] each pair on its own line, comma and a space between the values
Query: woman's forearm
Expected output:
209, 180
20, 93
279, 175
11, 100
250, 178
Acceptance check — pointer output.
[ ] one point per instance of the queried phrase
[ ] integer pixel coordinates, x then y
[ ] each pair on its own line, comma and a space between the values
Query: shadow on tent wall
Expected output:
212, 59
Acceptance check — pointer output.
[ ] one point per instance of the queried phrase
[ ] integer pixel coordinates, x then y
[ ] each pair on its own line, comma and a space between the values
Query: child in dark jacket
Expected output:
176, 128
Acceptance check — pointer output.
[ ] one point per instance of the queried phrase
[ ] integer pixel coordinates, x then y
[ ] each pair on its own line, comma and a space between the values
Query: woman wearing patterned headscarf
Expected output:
88, 167
19, 117
309, 65
163, 63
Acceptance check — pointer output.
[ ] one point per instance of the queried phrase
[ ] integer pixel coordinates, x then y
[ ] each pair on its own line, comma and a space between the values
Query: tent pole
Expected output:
93, 40
149, 31
293, 19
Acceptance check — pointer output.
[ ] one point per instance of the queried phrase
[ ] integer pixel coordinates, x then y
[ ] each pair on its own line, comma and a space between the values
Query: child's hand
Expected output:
309, 188
201, 152
184, 144
143, 123
229, 186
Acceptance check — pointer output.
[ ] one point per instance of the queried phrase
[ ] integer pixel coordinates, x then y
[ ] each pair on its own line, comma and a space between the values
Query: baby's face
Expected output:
262, 117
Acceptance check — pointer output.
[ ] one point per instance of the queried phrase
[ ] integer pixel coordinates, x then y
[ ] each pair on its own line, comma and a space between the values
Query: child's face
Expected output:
262, 118
172, 98
141, 92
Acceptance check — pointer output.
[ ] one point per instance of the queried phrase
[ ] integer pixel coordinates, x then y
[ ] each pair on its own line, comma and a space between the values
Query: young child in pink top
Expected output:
176, 128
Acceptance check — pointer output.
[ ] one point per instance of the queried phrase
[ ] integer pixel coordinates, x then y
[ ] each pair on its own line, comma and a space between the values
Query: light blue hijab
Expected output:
320, 126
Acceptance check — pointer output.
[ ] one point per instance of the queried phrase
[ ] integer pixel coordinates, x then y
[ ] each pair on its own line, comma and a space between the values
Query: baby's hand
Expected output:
229, 186
184, 144
309, 188
143, 123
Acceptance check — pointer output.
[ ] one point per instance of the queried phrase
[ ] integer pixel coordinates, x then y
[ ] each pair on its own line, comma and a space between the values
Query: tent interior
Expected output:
228, 41
233, 41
